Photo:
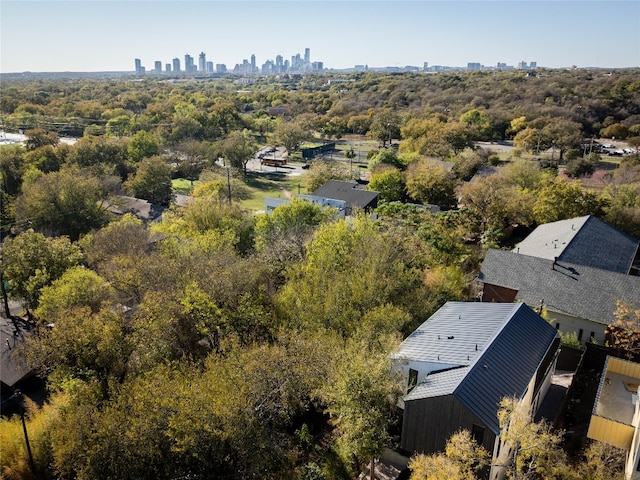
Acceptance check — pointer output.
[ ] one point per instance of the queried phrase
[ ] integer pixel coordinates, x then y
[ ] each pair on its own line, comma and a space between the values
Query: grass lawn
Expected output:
270, 185
183, 186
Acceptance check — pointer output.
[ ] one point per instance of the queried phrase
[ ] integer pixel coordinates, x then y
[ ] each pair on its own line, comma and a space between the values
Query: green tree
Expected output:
385, 126
32, 261
479, 123
389, 181
361, 395
152, 181
11, 169
237, 149
143, 145
46, 159
321, 172
38, 137
67, 202
617, 130
349, 270
77, 287
385, 156
282, 236
466, 164
119, 126
290, 135
563, 134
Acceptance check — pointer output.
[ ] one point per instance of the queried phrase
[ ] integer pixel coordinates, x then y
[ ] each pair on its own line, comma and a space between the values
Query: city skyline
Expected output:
77, 36
298, 63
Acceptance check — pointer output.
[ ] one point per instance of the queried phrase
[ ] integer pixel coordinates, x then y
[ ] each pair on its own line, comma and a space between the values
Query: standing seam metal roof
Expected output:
512, 338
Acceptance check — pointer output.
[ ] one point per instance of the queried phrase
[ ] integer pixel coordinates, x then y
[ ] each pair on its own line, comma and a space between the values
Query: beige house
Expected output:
615, 418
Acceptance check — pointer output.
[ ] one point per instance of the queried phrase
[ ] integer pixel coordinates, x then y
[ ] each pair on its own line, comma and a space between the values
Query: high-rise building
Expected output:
157, 66
221, 68
202, 62
254, 68
533, 65
189, 66
176, 65
209, 67
425, 67
307, 55
139, 67
167, 67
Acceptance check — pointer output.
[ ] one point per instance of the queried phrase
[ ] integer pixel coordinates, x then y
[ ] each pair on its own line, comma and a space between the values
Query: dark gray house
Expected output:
584, 241
461, 362
576, 298
352, 193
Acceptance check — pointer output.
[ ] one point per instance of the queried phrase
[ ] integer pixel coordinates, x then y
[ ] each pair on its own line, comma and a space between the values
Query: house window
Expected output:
592, 337
580, 332
477, 433
413, 379
557, 326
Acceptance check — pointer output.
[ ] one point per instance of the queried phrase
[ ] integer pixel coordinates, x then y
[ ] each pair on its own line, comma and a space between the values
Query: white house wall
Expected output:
574, 324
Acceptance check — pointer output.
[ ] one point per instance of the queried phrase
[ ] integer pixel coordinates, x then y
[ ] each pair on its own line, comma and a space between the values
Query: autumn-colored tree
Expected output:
431, 182
561, 199
624, 333
462, 459
38, 137
535, 447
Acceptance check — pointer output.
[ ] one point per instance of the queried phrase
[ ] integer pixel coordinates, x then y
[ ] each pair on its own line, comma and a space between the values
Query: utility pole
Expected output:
17, 395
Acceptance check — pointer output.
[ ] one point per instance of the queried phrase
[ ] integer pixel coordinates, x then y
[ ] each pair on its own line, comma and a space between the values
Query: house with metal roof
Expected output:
576, 298
353, 194
462, 362
615, 418
584, 241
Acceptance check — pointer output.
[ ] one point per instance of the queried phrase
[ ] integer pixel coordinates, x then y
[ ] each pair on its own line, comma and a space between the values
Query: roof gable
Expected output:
351, 192
512, 340
584, 241
507, 365
572, 289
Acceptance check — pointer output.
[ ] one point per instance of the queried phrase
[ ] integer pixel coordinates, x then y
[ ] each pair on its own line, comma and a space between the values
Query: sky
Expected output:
107, 35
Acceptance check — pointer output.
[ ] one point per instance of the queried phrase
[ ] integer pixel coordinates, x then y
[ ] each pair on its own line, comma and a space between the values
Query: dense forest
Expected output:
217, 343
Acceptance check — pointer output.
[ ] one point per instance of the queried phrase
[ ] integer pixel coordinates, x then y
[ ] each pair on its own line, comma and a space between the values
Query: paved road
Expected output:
17, 138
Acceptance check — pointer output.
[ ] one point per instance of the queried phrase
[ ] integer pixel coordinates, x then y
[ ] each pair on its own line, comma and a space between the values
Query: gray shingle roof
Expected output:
13, 367
583, 240
572, 289
512, 342
350, 192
